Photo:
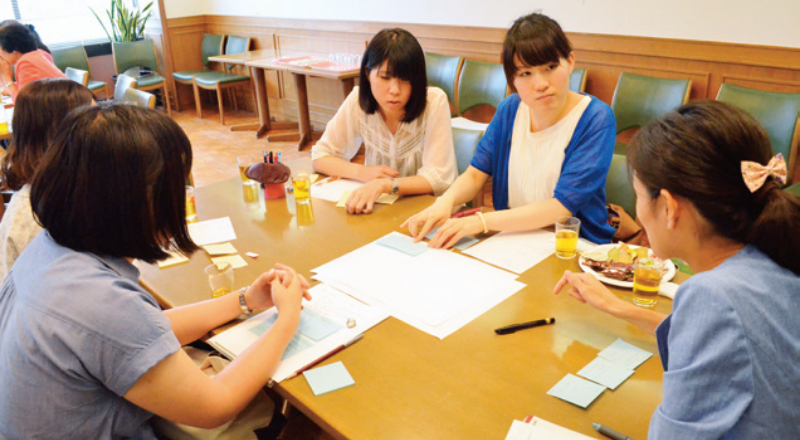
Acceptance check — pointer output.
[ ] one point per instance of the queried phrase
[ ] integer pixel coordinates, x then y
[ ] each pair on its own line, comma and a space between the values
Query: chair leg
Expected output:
177, 99
221, 106
166, 99
197, 103
105, 91
233, 94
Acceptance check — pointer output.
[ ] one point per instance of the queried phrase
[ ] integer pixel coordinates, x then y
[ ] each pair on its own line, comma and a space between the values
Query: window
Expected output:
62, 23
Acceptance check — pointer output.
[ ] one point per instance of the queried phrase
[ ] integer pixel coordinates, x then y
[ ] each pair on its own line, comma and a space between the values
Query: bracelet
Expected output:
243, 303
483, 222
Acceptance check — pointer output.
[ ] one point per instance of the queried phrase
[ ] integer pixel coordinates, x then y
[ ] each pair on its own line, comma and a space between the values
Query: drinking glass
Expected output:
191, 206
647, 274
220, 279
302, 188
567, 229
244, 161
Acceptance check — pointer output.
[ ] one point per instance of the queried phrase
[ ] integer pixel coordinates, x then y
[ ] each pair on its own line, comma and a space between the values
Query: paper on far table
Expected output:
174, 258
220, 249
331, 189
576, 391
624, 354
605, 373
235, 260
539, 429
212, 231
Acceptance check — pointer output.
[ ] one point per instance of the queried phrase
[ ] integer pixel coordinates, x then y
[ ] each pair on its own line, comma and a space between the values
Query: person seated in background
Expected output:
40, 108
19, 47
86, 351
547, 149
403, 123
709, 192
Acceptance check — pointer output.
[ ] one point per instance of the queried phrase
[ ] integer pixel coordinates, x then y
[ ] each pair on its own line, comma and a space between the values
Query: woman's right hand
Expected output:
288, 290
426, 220
370, 173
587, 289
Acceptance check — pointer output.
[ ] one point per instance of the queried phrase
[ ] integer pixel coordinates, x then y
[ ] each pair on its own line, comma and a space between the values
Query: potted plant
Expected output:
126, 24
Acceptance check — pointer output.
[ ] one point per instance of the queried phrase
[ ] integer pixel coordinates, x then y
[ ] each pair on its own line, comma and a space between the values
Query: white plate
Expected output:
668, 276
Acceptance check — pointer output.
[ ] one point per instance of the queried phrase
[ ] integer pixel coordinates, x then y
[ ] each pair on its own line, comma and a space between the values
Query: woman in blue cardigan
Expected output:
547, 149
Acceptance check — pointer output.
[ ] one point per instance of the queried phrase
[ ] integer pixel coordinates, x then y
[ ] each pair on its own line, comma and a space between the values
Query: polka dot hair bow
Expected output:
755, 174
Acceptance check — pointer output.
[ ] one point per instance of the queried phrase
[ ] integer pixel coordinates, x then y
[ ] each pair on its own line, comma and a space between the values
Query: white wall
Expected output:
769, 22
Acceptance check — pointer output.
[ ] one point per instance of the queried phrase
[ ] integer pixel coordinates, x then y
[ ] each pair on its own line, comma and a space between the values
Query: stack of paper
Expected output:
534, 428
323, 327
436, 291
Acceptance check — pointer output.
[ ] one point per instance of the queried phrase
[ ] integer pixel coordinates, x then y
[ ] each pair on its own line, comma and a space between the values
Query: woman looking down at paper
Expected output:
731, 346
403, 123
547, 149
86, 351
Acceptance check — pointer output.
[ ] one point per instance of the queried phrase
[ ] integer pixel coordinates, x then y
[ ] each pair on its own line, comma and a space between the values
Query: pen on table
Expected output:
271, 157
325, 356
264, 153
507, 330
466, 213
610, 433
279, 157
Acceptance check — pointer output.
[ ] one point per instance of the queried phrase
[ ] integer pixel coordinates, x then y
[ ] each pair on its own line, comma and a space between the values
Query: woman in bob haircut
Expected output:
547, 149
39, 109
74, 318
20, 47
709, 192
403, 123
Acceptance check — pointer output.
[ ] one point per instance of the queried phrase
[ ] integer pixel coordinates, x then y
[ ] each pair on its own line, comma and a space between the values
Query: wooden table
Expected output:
410, 385
299, 74
264, 124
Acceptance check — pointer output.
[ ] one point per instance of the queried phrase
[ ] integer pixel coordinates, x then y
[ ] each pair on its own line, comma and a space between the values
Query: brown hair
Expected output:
535, 39
695, 152
40, 107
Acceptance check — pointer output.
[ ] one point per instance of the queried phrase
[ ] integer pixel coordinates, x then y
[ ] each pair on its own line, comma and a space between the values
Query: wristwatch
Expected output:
395, 187
243, 303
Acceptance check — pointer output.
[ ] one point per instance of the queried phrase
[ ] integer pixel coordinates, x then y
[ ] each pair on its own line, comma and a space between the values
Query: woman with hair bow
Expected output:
709, 192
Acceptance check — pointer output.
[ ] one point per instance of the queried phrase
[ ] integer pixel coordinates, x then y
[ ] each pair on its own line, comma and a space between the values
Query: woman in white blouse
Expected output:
404, 125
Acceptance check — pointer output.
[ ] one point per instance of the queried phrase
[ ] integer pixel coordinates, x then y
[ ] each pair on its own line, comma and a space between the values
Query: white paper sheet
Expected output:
212, 231
437, 291
538, 429
332, 190
515, 251
326, 301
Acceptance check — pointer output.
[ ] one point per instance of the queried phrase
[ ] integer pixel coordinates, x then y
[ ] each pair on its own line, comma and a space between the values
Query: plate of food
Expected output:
613, 263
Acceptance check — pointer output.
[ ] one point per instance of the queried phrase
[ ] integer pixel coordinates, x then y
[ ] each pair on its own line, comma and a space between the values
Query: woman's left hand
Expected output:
363, 198
455, 229
259, 295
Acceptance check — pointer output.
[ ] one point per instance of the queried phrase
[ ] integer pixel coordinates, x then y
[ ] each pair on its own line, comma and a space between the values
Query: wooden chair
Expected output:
76, 58
479, 83
79, 76
220, 81
129, 56
577, 80
139, 98
619, 189
640, 99
124, 82
212, 45
442, 72
465, 141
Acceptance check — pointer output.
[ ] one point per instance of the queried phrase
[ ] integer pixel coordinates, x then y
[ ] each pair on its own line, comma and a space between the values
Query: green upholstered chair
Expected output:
124, 82
76, 58
220, 81
212, 45
442, 72
479, 83
79, 76
619, 189
139, 98
640, 99
129, 56
577, 80
465, 141
777, 113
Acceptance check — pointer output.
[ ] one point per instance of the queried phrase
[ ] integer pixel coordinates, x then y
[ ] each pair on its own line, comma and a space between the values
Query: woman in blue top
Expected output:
731, 347
547, 149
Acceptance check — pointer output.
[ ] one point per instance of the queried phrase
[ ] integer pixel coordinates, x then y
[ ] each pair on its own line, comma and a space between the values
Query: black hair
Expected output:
40, 107
534, 39
17, 37
113, 183
405, 60
695, 152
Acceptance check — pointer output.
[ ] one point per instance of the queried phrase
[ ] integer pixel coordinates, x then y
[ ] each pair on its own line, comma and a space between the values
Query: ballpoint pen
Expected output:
507, 330
466, 213
610, 433
325, 356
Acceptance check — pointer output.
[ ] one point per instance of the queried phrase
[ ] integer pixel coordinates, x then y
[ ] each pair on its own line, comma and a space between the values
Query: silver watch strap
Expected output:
243, 303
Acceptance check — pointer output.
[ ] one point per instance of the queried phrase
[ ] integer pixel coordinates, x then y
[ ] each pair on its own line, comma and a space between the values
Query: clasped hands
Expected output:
281, 287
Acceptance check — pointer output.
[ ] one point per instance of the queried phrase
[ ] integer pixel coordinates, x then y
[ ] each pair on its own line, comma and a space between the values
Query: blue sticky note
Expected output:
624, 354
315, 326
576, 391
328, 378
605, 373
463, 244
403, 243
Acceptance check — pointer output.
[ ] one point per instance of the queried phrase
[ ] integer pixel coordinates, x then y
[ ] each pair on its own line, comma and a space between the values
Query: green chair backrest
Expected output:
465, 142
619, 189
79, 76
74, 56
135, 53
640, 99
139, 98
777, 112
124, 82
577, 80
442, 72
480, 83
211, 46
236, 45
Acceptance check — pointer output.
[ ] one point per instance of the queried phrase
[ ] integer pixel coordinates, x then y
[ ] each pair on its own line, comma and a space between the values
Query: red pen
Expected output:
325, 356
466, 213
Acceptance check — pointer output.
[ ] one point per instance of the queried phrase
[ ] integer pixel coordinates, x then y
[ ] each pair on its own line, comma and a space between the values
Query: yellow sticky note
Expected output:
220, 249
235, 260
312, 178
343, 200
387, 199
174, 258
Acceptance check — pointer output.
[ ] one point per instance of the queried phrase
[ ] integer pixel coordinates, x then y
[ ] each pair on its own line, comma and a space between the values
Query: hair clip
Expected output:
755, 174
